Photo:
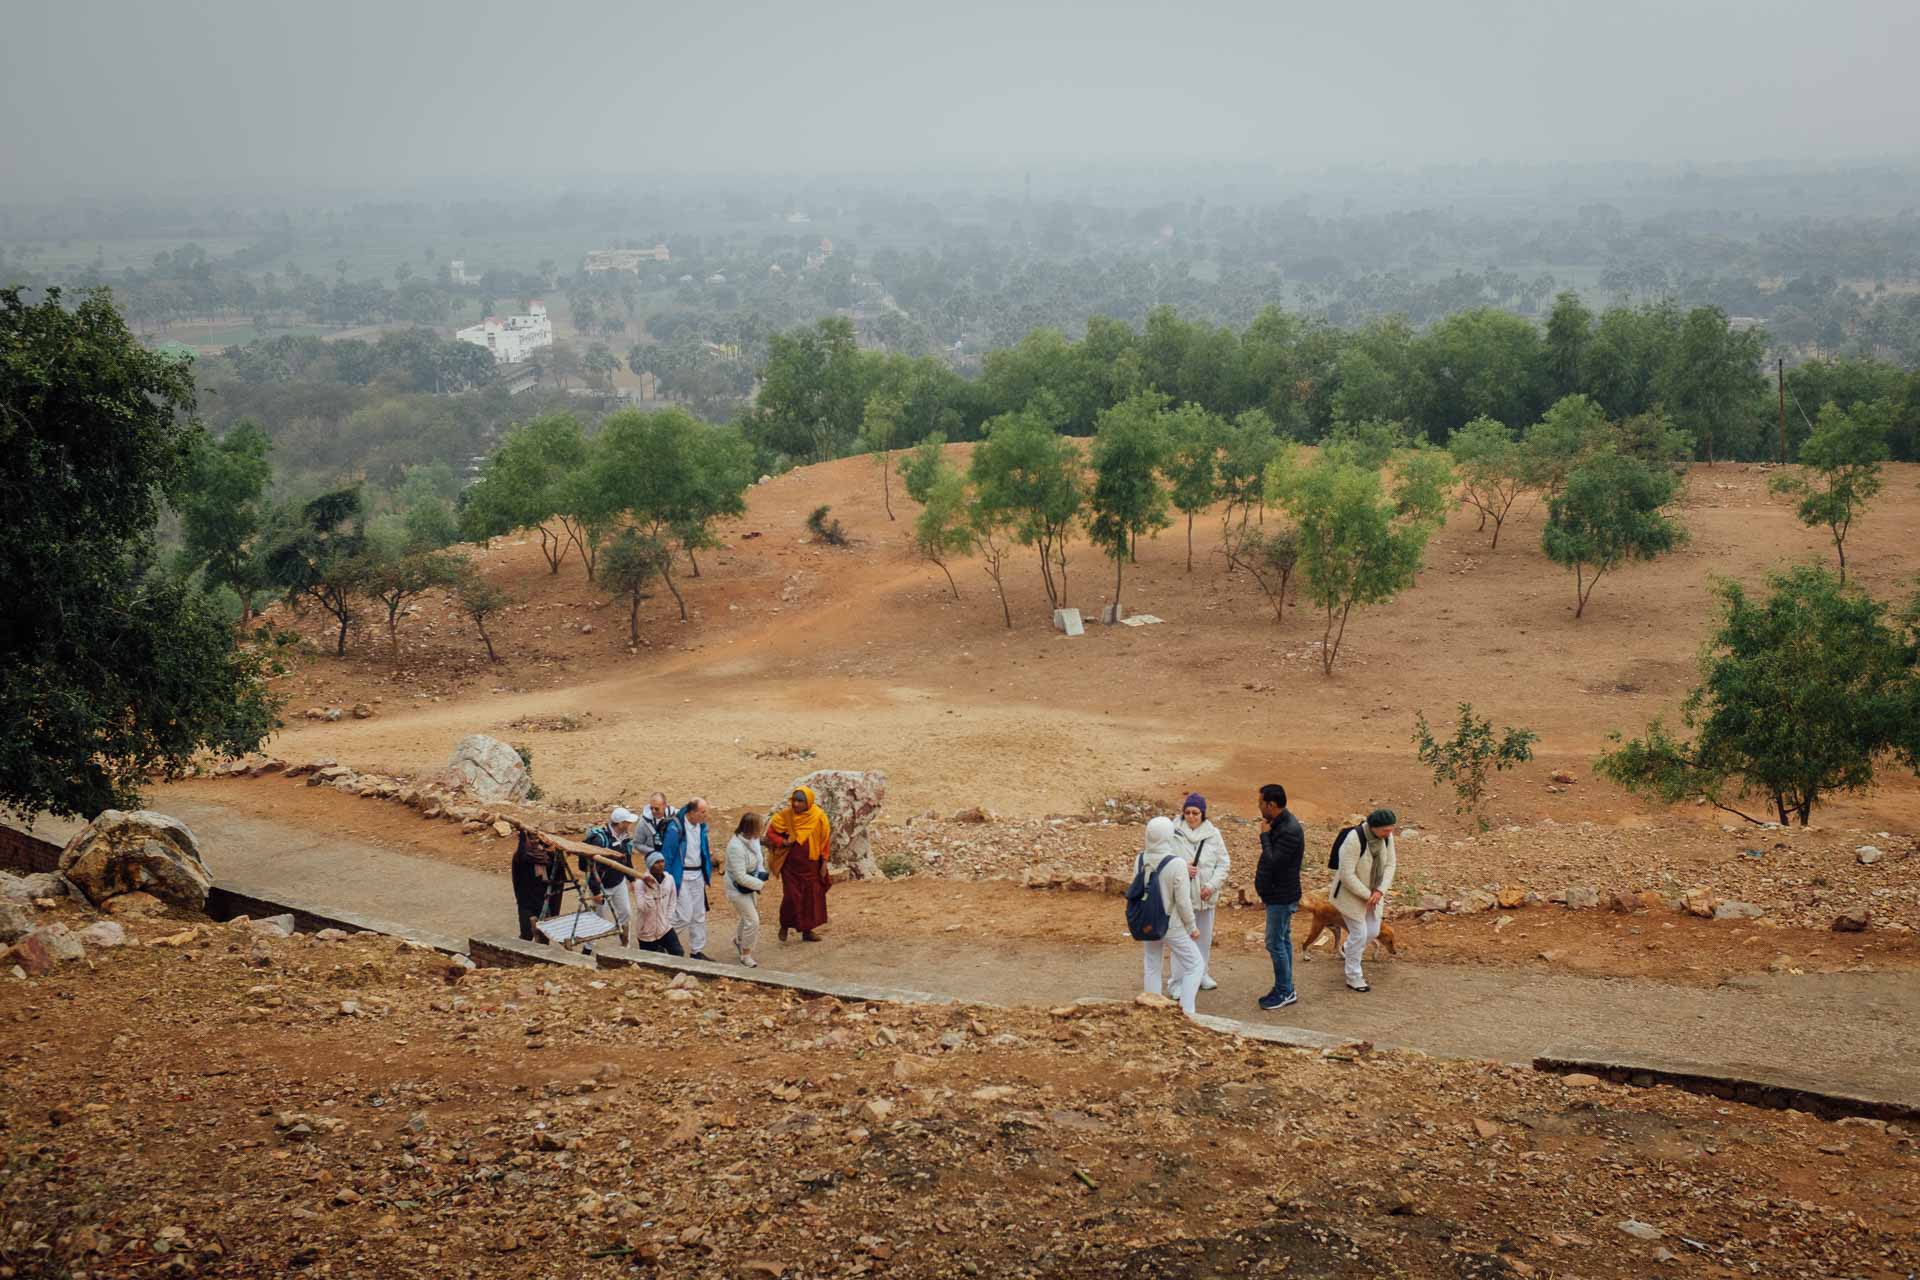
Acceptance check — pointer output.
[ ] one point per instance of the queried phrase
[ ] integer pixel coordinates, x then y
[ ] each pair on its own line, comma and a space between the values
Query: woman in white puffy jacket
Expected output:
1205, 850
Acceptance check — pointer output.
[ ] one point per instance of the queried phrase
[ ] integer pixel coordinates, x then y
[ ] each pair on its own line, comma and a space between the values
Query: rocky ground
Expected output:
252, 1104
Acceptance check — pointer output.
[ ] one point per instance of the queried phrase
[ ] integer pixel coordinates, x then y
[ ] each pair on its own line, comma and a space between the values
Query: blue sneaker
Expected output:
1271, 1002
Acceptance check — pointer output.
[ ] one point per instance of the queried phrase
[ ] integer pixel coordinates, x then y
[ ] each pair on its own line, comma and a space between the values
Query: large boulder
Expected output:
139, 852
490, 769
851, 798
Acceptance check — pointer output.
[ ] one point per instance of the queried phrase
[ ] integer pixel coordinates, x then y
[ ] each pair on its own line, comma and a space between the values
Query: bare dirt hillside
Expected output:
799, 655
217, 1103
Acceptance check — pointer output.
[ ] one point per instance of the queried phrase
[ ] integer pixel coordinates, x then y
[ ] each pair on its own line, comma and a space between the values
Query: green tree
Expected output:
923, 466
1129, 447
599, 365
1612, 510
1369, 444
941, 531
1028, 478
1840, 474
111, 672
399, 580
629, 565
1493, 470
1248, 448
1569, 330
1478, 363
878, 428
813, 392
321, 559
1356, 548
1423, 486
1802, 692
671, 476
221, 515
1192, 463
1710, 379
1570, 430
1654, 439
1463, 761
524, 484
482, 602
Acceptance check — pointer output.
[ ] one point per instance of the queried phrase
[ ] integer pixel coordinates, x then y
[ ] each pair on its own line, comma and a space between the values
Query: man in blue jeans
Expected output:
1277, 880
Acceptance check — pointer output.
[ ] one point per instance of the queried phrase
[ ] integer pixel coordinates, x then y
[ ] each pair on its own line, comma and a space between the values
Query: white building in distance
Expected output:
513, 339
457, 273
600, 260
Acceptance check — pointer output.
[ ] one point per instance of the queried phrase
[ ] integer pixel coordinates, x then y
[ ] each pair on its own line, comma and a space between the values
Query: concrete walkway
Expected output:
1852, 1033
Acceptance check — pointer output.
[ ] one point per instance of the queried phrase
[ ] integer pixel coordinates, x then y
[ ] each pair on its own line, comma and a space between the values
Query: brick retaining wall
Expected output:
24, 853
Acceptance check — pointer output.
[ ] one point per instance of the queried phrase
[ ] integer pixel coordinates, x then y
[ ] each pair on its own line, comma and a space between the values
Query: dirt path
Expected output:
1856, 1032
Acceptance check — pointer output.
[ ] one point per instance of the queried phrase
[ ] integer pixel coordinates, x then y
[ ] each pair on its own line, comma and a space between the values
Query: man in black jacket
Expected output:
1277, 881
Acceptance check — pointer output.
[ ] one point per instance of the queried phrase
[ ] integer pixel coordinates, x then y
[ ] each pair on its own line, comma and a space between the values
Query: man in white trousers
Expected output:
689, 865
1183, 931
617, 839
1361, 883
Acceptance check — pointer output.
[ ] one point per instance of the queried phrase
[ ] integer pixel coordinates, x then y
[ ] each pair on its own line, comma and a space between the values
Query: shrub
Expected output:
525, 753
1465, 759
824, 527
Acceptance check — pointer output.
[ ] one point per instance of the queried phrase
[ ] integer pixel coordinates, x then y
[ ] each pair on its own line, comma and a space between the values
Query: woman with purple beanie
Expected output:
1201, 844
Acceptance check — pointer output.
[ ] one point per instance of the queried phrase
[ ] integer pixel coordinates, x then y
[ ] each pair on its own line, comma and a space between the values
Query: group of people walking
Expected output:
1181, 872
655, 869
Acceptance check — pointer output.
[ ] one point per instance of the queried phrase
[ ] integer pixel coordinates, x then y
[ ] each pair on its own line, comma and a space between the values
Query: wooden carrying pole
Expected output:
560, 844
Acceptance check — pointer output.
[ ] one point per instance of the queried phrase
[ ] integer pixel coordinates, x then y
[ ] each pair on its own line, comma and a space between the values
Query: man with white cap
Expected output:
617, 839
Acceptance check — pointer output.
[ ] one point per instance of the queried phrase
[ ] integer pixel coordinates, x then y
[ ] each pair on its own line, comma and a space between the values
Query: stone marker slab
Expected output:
1068, 621
1113, 613
1141, 620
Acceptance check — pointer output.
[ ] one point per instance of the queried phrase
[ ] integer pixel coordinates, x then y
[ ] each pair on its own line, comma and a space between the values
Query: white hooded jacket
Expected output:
1206, 848
1174, 891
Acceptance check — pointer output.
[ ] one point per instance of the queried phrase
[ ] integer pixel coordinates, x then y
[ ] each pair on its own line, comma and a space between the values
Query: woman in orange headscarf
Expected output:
799, 836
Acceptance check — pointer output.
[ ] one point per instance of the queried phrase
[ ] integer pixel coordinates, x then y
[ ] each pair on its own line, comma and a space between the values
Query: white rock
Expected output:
104, 933
490, 769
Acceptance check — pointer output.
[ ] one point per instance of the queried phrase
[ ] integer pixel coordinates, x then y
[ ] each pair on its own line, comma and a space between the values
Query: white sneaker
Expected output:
1208, 984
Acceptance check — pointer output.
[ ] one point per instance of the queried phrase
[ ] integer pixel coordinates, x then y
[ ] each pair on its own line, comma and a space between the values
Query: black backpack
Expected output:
1333, 858
1147, 917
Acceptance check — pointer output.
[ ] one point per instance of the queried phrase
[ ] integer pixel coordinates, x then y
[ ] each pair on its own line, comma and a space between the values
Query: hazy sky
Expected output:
121, 94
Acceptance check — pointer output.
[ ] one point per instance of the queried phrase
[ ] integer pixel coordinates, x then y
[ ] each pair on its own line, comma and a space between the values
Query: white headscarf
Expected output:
1160, 840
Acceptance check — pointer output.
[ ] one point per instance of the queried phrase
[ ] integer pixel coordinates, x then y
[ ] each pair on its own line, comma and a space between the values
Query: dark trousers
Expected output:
667, 943
535, 896
1280, 946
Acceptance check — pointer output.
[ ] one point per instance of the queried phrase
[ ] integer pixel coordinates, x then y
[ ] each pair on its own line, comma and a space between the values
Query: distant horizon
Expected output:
1143, 176
114, 96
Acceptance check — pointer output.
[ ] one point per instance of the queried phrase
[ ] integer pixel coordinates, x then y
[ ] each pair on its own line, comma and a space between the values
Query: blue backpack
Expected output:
1146, 914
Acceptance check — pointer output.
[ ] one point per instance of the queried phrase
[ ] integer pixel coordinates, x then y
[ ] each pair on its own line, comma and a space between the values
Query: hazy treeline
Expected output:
1308, 378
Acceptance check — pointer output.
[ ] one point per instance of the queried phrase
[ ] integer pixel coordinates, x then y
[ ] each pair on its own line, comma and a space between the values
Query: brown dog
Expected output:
1327, 919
